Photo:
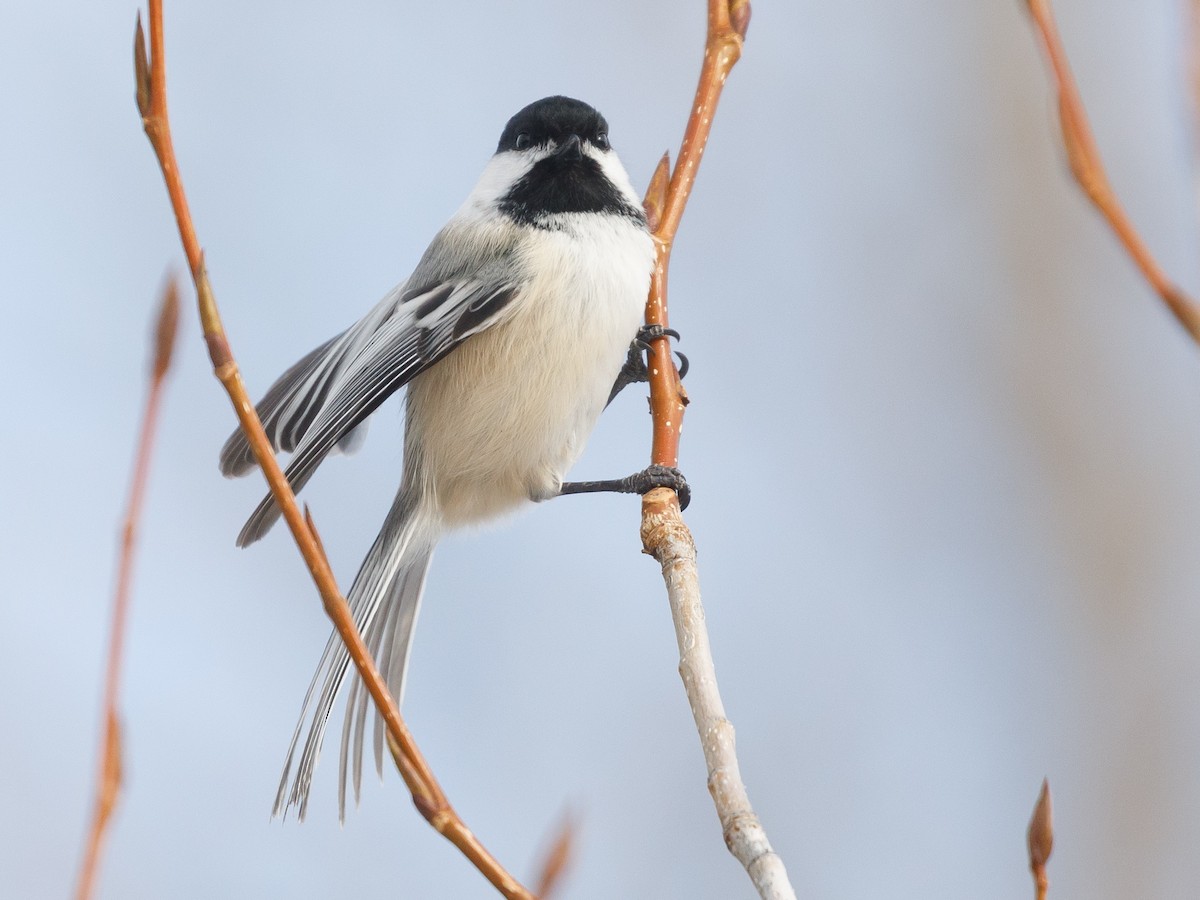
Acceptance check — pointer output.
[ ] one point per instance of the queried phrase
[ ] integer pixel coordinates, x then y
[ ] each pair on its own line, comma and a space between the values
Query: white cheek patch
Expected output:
501, 173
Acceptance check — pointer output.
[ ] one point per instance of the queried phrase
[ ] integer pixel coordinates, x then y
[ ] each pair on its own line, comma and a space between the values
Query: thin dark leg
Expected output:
639, 483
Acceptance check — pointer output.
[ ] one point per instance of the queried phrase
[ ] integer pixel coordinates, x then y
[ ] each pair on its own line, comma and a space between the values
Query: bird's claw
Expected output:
656, 476
648, 333
634, 370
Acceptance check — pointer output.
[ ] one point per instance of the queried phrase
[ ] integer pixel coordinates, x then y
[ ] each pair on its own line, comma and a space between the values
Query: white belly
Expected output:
515, 404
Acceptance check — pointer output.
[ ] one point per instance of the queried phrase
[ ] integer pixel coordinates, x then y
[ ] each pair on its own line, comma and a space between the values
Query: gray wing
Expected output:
290, 405
333, 389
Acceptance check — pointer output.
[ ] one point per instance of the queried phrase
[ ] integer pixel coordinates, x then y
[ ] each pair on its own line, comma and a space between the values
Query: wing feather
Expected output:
296, 397
335, 388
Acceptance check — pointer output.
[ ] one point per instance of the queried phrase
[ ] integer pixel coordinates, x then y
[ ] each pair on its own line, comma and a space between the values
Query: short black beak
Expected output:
571, 150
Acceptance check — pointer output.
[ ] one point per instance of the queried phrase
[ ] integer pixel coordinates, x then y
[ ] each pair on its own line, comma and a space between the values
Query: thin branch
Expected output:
1040, 838
427, 795
558, 858
664, 534
1193, 65
1086, 166
108, 780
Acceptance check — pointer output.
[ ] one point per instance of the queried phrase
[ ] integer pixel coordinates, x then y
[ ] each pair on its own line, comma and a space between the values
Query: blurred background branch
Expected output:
1089, 172
1040, 840
108, 779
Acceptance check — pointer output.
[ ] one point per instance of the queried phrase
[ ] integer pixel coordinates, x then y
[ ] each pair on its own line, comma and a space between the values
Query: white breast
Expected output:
501, 419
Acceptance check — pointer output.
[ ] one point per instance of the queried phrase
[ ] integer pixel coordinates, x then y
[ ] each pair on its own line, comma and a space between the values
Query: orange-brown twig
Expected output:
150, 72
108, 781
1041, 840
1084, 159
727, 24
558, 858
664, 534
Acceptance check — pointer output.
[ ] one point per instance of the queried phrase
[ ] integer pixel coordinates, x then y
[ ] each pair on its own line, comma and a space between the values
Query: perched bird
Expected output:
512, 334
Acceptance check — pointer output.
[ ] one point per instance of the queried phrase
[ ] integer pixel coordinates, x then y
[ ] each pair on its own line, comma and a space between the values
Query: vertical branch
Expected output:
428, 797
727, 24
1088, 170
108, 780
664, 534
669, 400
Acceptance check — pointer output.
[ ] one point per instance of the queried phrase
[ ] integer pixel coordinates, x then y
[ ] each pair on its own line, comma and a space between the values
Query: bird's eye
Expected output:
523, 141
601, 140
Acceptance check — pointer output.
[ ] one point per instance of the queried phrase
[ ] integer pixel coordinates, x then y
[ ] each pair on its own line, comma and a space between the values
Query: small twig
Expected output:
427, 795
1086, 166
108, 781
1041, 840
1193, 40
558, 858
664, 534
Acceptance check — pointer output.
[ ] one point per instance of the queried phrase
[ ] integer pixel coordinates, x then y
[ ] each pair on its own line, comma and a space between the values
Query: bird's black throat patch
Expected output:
557, 185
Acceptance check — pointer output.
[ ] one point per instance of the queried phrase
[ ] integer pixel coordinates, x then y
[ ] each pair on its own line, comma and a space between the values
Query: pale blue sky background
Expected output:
945, 448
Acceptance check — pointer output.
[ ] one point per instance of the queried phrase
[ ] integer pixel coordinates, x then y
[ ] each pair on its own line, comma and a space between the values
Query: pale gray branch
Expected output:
668, 540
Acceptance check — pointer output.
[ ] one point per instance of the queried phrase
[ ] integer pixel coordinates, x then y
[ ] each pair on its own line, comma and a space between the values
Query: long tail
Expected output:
384, 598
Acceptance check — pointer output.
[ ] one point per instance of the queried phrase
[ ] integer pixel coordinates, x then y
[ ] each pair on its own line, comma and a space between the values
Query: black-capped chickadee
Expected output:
512, 334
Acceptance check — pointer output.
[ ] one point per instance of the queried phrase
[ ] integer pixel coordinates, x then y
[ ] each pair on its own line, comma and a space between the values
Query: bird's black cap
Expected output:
552, 118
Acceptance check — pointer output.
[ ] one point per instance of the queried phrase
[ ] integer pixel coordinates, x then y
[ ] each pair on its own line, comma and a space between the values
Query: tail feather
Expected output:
356, 715
393, 661
388, 640
384, 599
